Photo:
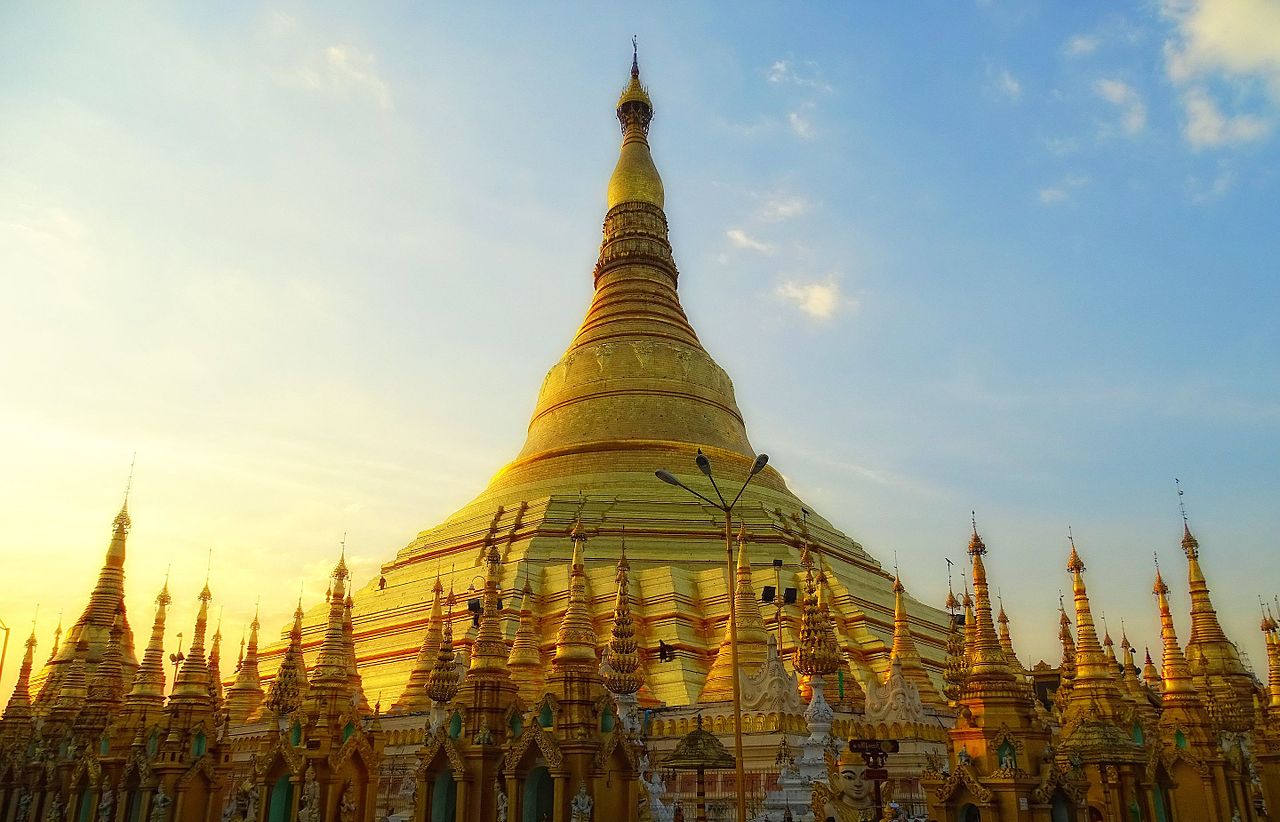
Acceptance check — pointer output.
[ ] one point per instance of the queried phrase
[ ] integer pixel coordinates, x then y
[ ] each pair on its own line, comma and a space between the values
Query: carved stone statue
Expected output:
106, 804
580, 807
347, 808
160, 807
56, 811
501, 801
484, 736
1007, 762
309, 806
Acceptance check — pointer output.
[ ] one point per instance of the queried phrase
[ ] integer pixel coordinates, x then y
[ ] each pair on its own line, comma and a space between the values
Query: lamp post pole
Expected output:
704, 465
5, 650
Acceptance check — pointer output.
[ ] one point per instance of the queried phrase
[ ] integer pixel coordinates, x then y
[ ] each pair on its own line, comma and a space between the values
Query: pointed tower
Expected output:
525, 659
96, 621
1150, 676
1096, 721
18, 722
442, 685
575, 677
1271, 634
329, 688
1213, 657
753, 637
191, 685
621, 658
146, 696
634, 391
106, 687
215, 668
998, 735
488, 690
904, 651
354, 680
414, 698
956, 670
245, 694
289, 687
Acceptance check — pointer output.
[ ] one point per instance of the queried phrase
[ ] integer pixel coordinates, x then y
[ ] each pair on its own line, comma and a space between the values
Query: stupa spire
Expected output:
17, 713
1091, 661
289, 686
622, 675
525, 659
1150, 676
415, 698
635, 179
814, 656
489, 652
904, 653
442, 685
331, 673
987, 664
354, 681
1271, 632
1177, 684
576, 639
245, 694
753, 636
191, 685
149, 681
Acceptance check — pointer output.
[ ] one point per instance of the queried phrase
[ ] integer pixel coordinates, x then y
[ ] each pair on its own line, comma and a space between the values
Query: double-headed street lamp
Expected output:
704, 465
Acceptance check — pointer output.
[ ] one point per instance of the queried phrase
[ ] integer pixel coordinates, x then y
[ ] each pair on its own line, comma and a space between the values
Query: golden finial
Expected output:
976, 546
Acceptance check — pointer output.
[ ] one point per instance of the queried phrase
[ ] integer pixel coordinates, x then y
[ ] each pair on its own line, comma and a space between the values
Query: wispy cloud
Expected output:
1081, 44
802, 73
1202, 193
1207, 127
347, 72
1133, 111
800, 124
777, 208
819, 299
743, 240
1061, 190
1002, 83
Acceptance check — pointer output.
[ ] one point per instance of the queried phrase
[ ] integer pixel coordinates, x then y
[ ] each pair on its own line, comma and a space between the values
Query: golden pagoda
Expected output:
635, 392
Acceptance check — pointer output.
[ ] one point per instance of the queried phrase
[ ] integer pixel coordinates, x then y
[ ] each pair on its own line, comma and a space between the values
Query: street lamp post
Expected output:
5, 650
726, 507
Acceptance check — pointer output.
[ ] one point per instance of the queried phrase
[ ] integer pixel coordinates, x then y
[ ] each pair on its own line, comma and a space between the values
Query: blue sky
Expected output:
312, 263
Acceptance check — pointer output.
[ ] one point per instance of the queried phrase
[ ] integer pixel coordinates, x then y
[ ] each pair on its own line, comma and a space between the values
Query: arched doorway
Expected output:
1095, 814
1060, 807
539, 795
444, 798
280, 799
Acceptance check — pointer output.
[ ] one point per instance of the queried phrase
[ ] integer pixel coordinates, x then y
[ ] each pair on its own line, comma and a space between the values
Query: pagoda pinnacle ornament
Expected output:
753, 637
443, 683
245, 694
622, 670
576, 639
415, 697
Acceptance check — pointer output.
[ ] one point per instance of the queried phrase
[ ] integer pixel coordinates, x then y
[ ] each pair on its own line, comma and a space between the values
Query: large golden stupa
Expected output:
636, 391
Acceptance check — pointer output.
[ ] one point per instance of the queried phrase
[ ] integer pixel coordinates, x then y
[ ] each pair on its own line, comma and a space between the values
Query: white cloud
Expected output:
1234, 42
1082, 44
819, 299
777, 208
1208, 127
1062, 190
345, 71
805, 74
1233, 37
800, 125
1133, 116
1215, 190
742, 239
1002, 83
